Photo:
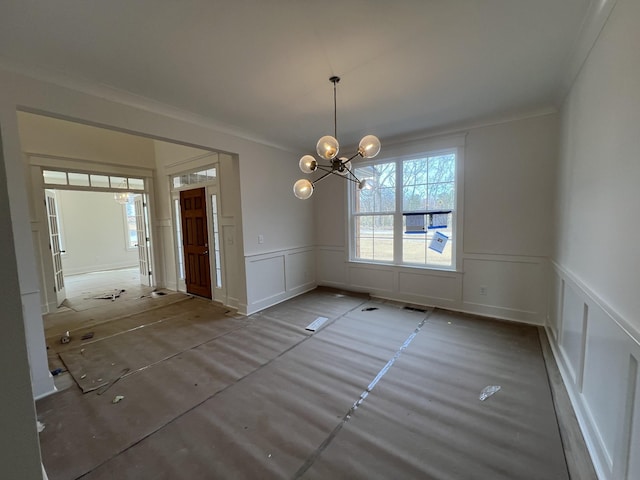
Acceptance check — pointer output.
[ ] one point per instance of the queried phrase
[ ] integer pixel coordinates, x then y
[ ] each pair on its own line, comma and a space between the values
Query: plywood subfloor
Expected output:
385, 393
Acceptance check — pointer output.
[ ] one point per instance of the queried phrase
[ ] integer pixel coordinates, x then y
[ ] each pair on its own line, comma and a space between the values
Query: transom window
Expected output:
192, 178
406, 215
91, 180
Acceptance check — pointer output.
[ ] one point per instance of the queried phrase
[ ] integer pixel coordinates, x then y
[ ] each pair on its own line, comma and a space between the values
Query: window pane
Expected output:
119, 182
136, 184
414, 171
132, 229
100, 181
177, 182
381, 196
442, 168
54, 178
441, 196
414, 198
216, 240
211, 173
80, 179
178, 219
414, 248
374, 237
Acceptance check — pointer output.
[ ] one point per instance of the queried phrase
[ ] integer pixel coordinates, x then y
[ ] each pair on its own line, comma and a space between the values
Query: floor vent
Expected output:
414, 309
316, 324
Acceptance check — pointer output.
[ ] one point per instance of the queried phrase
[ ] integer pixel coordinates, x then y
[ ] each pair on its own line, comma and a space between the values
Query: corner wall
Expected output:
507, 185
19, 447
258, 166
593, 321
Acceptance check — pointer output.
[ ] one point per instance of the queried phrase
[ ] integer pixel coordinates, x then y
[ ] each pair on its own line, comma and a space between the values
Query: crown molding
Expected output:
123, 97
595, 19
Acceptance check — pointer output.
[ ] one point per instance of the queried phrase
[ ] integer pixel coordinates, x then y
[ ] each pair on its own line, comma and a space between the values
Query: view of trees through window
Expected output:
422, 186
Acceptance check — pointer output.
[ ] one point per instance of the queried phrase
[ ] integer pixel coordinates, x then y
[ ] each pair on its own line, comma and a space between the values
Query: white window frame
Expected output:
398, 154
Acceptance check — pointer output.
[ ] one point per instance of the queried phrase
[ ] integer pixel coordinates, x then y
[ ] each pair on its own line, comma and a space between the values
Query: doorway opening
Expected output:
198, 232
94, 228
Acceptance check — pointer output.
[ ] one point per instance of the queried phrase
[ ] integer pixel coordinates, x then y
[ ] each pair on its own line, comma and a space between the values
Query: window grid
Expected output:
91, 180
427, 183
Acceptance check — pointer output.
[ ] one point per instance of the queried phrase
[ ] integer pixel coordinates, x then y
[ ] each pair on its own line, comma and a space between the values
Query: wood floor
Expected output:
379, 391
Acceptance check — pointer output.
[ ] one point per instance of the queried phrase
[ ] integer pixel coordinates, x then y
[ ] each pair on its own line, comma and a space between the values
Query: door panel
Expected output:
193, 209
143, 243
54, 246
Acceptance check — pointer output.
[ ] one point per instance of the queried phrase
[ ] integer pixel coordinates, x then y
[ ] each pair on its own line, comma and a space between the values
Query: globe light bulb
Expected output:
303, 189
365, 184
327, 147
369, 146
308, 164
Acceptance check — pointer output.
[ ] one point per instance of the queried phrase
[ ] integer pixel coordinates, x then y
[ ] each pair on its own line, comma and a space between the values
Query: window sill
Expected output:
421, 268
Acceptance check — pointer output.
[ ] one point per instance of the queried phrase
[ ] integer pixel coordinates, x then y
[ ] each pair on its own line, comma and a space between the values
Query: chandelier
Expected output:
327, 149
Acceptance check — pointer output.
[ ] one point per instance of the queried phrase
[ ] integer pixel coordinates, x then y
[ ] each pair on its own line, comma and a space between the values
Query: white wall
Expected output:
508, 186
60, 138
593, 318
258, 165
19, 448
94, 234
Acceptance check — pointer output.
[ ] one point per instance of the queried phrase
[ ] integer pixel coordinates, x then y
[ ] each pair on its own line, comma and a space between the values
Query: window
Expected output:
216, 240
131, 225
193, 178
406, 215
78, 179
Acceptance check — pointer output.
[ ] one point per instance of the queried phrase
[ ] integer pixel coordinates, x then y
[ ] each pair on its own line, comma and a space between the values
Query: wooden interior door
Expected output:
195, 241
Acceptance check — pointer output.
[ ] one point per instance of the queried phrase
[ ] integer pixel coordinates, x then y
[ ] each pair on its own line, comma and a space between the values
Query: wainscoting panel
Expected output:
300, 269
375, 280
331, 267
277, 276
573, 332
441, 288
556, 304
506, 287
598, 352
512, 288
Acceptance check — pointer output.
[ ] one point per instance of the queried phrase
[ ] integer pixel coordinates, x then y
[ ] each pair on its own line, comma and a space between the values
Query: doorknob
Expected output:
206, 252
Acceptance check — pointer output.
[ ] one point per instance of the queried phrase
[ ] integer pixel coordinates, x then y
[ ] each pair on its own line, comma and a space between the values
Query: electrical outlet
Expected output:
483, 290
260, 238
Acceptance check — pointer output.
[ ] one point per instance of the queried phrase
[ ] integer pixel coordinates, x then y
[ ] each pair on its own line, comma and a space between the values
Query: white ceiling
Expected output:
261, 67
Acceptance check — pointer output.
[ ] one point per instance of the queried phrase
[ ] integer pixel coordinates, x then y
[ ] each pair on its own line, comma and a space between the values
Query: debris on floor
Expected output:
40, 426
66, 338
109, 296
107, 386
488, 391
154, 294
87, 336
57, 371
369, 309
117, 399
316, 324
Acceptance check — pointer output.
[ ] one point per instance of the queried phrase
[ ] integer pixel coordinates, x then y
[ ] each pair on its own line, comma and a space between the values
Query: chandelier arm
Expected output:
357, 154
324, 168
322, 177
354, 179
352, 174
